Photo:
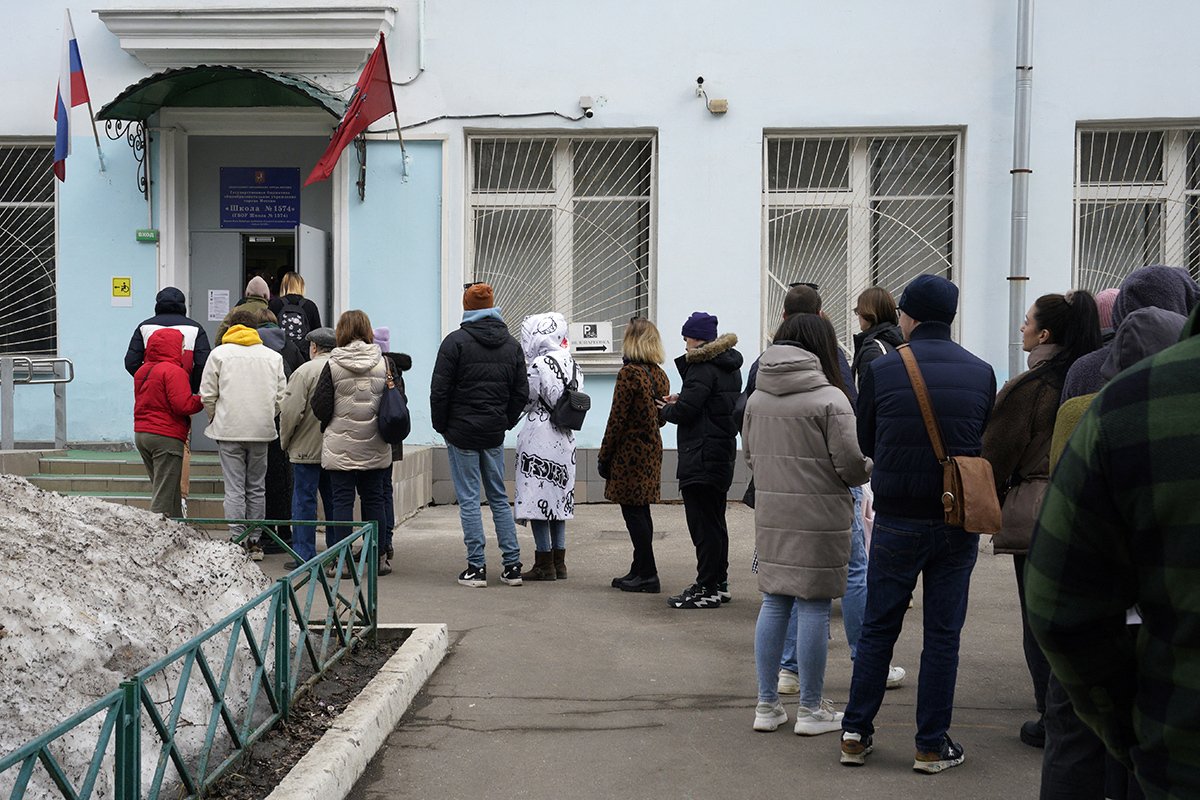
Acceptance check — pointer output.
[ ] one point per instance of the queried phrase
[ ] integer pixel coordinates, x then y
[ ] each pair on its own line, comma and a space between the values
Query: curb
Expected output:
335, 763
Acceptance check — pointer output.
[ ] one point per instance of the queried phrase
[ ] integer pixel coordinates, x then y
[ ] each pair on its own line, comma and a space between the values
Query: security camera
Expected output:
586, 104
700, 81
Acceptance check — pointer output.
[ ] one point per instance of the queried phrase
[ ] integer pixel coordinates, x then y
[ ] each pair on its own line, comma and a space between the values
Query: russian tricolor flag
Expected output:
72, 91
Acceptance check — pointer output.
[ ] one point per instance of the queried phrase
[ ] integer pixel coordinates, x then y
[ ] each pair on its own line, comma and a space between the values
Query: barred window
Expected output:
28, 321
1137, 202
563, 224
849, 212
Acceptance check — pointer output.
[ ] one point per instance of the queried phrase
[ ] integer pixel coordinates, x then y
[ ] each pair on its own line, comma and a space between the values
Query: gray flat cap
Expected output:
323, 338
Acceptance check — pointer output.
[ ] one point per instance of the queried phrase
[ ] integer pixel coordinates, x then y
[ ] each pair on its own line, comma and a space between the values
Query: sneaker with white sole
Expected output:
695, 596
815, 721
769, 716
255, 551
511, 574
895, 677
723, 592
935, 761
789, 682
855, 748
475, 577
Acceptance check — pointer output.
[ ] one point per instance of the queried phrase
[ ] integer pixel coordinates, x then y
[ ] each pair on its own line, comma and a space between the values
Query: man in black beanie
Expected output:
910, 537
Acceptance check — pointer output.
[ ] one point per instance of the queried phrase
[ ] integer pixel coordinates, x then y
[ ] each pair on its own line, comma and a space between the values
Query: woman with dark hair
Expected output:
346, 401
878, 331
1058, 329
799, 437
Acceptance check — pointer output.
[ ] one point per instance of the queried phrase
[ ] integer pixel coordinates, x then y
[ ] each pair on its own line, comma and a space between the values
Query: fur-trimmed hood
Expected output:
712, 351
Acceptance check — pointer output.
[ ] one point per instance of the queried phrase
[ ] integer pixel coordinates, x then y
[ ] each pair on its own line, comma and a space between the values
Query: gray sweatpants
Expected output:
244, 466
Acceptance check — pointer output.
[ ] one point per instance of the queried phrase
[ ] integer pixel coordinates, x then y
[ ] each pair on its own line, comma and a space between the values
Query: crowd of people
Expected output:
847, 491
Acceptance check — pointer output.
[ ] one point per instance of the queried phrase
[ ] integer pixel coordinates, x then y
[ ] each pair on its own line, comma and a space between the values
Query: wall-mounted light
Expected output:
717, 105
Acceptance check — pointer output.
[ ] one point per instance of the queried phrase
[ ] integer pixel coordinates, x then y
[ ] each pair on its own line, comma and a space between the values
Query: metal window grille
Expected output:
850, 212
28, 319
1137, 202
563, 224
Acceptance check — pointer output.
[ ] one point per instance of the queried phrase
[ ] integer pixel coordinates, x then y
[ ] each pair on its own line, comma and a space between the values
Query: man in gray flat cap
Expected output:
300, 436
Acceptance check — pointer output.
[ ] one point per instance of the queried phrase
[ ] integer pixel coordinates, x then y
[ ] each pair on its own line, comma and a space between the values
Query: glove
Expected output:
602, 469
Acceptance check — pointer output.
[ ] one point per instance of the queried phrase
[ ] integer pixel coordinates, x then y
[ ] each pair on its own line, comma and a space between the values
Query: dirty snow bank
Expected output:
90, 593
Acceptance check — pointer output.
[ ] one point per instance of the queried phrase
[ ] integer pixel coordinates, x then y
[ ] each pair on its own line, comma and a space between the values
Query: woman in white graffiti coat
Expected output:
545, 469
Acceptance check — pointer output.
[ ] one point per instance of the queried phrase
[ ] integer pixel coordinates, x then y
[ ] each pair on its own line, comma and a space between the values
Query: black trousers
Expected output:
1075, 764
641, 533
1035, 659
704, 508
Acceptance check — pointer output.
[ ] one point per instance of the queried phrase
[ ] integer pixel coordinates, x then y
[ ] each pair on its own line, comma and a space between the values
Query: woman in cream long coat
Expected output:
800, 441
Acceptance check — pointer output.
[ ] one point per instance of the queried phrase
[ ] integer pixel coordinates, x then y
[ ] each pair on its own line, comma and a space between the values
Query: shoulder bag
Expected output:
968, 489
393, 420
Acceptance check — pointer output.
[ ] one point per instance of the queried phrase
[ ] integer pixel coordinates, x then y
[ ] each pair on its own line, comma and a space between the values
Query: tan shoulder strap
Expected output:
922, 393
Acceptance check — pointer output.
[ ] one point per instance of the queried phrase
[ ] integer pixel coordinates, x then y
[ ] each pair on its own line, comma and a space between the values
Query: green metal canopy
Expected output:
218, 87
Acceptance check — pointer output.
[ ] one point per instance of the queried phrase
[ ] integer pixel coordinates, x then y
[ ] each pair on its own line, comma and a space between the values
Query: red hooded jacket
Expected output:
163, 399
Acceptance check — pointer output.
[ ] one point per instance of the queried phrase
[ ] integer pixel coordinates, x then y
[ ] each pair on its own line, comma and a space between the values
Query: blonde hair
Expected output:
642, 342
291, 283
353, 325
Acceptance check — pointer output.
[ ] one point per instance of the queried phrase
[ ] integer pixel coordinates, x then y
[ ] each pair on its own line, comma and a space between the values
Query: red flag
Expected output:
371, 100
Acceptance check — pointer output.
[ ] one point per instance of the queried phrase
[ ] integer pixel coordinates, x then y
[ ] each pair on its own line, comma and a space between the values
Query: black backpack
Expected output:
572, 405
294, 323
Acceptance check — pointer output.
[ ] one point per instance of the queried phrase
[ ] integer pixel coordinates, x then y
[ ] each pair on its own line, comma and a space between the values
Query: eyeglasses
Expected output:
469, 285
812, 286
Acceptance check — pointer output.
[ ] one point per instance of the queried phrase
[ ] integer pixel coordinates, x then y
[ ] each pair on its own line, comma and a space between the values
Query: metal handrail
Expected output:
36, 370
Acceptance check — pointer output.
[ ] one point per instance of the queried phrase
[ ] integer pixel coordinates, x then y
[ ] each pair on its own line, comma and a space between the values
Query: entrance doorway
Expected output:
268, 255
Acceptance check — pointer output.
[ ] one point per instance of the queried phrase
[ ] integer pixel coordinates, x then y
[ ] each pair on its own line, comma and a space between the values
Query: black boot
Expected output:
560, 564
648, 585
542, 569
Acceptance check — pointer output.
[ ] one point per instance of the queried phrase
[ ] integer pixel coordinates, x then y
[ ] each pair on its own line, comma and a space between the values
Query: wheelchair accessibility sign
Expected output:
122, 291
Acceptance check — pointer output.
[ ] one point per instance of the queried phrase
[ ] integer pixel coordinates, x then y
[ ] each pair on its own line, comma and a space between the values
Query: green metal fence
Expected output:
246, 670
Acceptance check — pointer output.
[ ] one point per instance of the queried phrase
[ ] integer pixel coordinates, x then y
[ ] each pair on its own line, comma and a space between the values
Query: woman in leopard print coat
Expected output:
630, 458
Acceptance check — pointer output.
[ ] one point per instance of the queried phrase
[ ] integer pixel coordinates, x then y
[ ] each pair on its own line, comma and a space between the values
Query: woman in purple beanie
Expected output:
707, 446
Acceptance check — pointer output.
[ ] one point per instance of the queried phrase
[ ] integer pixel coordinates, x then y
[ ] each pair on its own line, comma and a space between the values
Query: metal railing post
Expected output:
128, 751
373, 580
6, 404
60, 414
283, 652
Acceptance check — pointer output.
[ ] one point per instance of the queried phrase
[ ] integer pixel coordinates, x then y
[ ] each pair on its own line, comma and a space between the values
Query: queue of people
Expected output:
830, 440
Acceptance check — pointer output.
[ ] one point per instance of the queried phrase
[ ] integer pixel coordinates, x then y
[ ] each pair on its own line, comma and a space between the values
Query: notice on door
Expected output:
218, 304
122, 292
260, 197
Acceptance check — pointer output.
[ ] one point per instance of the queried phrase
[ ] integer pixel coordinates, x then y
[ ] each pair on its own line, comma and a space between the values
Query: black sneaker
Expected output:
475, 577
695, 596
511, 574
723, 592
934, 761
1033, 733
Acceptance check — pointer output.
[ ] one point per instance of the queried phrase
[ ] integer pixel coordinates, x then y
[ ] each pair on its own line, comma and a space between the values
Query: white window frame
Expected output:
51, 204
563, 223
857, 201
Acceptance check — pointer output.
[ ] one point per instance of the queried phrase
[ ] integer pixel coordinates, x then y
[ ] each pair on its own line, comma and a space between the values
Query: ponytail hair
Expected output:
815, 334
1073, 322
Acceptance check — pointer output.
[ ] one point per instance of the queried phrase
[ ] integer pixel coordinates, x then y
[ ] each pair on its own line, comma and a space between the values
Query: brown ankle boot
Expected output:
560, 564
542, 569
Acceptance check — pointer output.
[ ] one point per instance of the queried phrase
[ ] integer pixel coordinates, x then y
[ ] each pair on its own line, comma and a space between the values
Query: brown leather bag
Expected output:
969, 490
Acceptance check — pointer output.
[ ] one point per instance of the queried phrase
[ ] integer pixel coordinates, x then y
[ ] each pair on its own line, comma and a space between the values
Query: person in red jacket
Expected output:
162, 407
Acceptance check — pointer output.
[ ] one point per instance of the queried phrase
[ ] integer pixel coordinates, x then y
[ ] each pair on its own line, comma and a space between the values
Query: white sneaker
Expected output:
768, 717
814, 722
895, 677
789, 682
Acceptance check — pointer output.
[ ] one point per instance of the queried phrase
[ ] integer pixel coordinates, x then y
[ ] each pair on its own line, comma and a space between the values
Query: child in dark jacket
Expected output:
163, 405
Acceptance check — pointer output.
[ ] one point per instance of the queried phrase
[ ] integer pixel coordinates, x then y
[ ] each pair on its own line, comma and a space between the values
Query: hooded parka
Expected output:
346, 400
800, 441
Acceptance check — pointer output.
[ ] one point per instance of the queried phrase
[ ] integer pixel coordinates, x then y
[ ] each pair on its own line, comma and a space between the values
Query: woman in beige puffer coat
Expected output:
800, 440
346, 401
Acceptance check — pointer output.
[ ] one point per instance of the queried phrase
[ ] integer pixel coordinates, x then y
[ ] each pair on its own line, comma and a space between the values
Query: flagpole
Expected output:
95, 133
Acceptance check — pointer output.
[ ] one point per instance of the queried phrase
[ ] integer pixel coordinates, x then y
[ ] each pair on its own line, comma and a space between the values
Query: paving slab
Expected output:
574, 689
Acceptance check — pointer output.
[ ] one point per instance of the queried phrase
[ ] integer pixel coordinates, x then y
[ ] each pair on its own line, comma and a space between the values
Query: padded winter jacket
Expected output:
707, 436
242, 387
169, 308
163, 401
299, 428
346, 401
479, 386
907, 479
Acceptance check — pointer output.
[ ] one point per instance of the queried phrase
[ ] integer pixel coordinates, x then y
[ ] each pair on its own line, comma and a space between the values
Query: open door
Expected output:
312, 263
215, 287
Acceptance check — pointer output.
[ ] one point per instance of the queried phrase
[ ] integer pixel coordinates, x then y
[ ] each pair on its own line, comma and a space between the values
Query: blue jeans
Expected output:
369, 485
902, 549
774, 621
471, 471
549, 533
307, 481
854, 602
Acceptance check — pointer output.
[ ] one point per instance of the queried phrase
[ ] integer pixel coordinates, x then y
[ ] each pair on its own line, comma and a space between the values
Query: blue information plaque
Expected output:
260, 197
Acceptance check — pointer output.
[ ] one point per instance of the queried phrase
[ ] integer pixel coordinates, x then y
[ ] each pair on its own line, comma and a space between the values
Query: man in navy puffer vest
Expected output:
910, 537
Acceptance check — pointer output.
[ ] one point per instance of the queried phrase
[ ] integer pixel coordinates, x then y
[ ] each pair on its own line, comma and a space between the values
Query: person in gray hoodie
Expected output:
1168, 288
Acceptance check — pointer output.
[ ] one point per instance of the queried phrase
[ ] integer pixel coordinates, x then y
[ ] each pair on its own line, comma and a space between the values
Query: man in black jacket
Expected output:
169, 312
707, 444
478, 391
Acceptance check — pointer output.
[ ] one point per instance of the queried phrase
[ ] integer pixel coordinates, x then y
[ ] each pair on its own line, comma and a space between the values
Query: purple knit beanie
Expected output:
701, 325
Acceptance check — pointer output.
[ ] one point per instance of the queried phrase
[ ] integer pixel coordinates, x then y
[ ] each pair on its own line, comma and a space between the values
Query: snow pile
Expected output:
90, 593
